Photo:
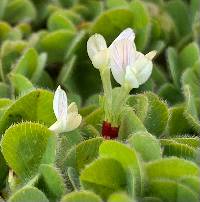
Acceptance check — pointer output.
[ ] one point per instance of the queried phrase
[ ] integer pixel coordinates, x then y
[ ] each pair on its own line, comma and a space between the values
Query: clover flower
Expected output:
98, 51
128, 66
68, 117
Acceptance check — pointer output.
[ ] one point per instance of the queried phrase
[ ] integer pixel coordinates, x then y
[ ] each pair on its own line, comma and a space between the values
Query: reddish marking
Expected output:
108, 131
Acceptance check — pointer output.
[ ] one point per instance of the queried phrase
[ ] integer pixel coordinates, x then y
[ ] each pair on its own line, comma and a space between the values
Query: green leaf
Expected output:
119, 197
3, 171
83, 196
3, 4
45, 81
189, 55
20, 83
172, 60
171, 168
140, 105
59, 21
127, 157
147, 86
90, 131
118, 19
19, 10
172, 148
4, 104
175, 126
191, 113
35, 106
140, 14
159, 47
66, 74
146, 145
141, 23
4, 90
95, 118
41, 62
28, 193
158, 75
82, 154
194, 8
24, 28
179, 12
170, 93
51, 182
151, 199
56, 44
192, 182
10, 52
66, 142
172, 191
84, 111
116, 3
104, 176
27, 63
157, 115
191, 78
74, 178
130, 124
27, 145
193, 142
5, 28
95, 6
75, 44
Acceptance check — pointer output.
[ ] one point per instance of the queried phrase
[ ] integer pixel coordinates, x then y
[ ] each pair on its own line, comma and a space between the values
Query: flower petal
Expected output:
73, 121
127, 34
130, 77
122, 54
58, 127
72, 108
101, 59
151, 55
142, 67
95, 44
60, 104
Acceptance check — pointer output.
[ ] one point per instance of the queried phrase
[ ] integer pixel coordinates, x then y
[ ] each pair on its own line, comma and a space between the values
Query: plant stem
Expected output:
119, 103
105, 77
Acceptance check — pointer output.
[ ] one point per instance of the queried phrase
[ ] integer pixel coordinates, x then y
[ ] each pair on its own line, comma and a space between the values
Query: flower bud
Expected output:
97, 51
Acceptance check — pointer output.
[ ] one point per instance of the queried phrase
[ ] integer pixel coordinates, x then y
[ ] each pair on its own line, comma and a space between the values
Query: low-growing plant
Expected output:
123, 124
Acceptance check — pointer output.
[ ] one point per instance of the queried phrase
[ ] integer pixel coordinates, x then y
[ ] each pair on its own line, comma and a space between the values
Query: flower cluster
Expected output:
130, 68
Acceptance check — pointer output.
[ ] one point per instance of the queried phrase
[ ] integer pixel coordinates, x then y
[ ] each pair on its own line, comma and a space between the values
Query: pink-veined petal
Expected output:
127, 34
122, 54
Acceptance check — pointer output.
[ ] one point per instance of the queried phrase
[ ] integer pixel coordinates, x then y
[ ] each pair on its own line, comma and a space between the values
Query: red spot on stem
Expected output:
108, 131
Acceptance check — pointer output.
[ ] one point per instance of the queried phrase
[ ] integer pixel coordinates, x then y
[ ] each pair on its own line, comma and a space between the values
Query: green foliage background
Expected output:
157, 155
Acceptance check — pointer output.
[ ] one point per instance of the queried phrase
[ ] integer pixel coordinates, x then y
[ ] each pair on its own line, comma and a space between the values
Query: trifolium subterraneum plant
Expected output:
130, 68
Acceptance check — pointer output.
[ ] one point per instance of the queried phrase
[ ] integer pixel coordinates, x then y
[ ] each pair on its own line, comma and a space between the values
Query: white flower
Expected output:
98, 51
128, 65
68, 118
